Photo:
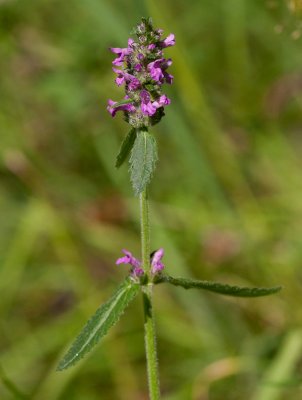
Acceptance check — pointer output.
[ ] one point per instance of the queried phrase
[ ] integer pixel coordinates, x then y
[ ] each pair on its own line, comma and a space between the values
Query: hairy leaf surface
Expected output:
99, 324
126, 148
219, 287
142, 161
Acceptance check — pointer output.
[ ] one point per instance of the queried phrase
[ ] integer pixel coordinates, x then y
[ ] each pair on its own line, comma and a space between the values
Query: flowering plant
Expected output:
142, 69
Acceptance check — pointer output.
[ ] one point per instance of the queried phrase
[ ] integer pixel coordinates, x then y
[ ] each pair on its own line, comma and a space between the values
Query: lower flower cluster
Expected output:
136, 266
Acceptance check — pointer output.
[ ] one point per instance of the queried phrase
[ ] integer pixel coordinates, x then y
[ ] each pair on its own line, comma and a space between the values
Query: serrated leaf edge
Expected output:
220, 288
80, 353
138, 190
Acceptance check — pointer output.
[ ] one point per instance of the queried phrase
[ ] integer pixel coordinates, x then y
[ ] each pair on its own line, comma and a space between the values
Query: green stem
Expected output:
145, 231
150, 336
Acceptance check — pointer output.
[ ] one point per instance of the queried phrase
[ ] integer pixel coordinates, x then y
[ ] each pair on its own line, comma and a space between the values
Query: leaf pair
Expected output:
142, 146
109, 313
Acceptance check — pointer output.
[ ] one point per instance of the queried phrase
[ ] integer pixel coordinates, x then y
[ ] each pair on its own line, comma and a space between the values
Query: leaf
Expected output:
218, 287
98, 325
122, 102
126, 147
142, 161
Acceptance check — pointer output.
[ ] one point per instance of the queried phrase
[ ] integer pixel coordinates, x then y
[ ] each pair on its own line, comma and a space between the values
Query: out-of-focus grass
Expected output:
226, 204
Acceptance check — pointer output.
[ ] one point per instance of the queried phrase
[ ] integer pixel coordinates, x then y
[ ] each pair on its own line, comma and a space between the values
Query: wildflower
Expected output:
128, 259
124, 107
122, 53
156, 264
169, 41
143, 70
146, 106
136, 268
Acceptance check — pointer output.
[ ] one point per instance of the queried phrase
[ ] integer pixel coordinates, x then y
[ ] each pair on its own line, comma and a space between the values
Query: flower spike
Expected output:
143, 70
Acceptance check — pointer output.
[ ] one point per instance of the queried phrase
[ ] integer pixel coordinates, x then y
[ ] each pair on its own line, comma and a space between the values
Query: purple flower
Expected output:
122, 53
136, 269
169, 41
133, 84
123, 107
124, 77
128, 259
138, 67
158, 70
146, 106
168, 78
143, 70
155, 70
156, 264
162, 101
137, 272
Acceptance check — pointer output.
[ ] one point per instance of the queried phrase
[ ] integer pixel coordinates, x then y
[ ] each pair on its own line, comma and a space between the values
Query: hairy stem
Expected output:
145, 231
150, 336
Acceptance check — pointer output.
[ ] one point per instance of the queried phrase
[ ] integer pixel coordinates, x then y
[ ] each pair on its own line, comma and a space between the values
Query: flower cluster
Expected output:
143, 70
136, 269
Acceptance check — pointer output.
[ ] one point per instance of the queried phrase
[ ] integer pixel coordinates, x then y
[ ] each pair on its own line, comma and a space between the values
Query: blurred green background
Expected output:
226, 199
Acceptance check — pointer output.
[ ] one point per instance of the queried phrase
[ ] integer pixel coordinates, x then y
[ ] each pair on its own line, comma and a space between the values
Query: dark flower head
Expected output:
143, 71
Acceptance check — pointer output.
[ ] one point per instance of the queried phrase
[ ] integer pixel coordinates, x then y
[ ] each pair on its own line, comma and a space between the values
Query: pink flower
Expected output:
158, 70
156, 264
155, 70
169, 41
124, 77
142, 71
148, 107
128, 259
136, 270
122, 53
162, 101
123, 107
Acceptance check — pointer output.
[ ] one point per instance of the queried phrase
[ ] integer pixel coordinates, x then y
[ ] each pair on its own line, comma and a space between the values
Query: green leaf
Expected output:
126, 147
218, 287
122, 102
98, 325
142, 161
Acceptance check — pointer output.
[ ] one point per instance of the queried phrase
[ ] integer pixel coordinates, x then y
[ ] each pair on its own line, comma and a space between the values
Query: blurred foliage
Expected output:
226, 199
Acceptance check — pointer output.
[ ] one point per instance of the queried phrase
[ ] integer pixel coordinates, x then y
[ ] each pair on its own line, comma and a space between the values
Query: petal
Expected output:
157, 256
169, 41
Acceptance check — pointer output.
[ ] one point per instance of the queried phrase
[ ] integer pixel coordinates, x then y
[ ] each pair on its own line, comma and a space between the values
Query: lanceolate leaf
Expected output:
218, 287
98, 325
142, 161
126, 147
